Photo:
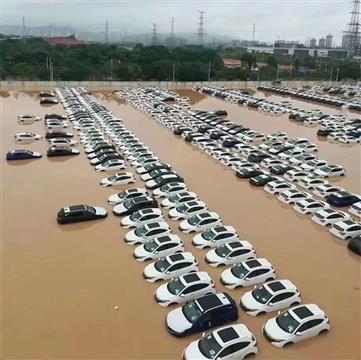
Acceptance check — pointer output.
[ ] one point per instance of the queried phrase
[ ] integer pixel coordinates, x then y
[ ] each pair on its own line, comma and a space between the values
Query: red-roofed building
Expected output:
67, 41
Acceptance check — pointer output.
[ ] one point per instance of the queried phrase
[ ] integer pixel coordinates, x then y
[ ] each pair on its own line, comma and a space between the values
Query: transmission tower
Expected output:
201, 32
172, 40
24, 28
106, 34
154, 34
254, 32
353, 33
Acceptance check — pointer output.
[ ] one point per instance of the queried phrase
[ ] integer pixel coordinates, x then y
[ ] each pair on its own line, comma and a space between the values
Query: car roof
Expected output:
303, 312
279, 285
237, 244
208, 302
180, 257
194, 277
231, 333
254, 263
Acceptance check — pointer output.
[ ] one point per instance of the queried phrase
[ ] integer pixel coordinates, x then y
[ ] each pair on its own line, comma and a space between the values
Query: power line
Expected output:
172, 40
254, 32
106, 34
201, 31
24, 28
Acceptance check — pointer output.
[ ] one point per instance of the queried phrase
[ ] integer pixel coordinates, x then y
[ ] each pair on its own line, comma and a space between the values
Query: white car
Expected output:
171, 266
200, 222
142, 217
279, 135
325, 190
291, 196
27, 119
299, 159
159, 180
62, 142
120, 178
143, 162
346, 139
355, 209
226, 343
346, 229
178, 198
271, 296
125, 195
313, 164
147, 168
26, 137
291, 153
159, 247
269, 162
185, 288
230, 160
309, 183
309, 206
170, 189
147, 232
215, 236
294, 174
243, 165
187, 209
296, 324
154, 173
327, 217
276, 186
330, 171
233, 252
308, 147
111, 165
247, 273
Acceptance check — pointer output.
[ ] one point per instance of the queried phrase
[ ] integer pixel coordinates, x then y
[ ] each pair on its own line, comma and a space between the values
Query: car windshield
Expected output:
175, 286
208, 235
192, 312
287, 322
174, 198
135, 216
182, 208
122, 195
129, 203
261, 294
151, 246
223, 251
239, 271
208, 346
162, 265
91, 209
194, 220
141, 231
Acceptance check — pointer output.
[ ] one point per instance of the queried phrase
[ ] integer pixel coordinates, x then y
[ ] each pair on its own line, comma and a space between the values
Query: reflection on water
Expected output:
62, 282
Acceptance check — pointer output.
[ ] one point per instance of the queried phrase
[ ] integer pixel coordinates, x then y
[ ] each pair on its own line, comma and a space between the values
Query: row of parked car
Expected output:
264, 165
308, 95
336, 128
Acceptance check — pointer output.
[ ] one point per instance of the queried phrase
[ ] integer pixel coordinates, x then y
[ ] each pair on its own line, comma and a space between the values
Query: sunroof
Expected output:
253, 263
220, 229
209, 302
191, 278
153, 225
163, 239
235, 244
176, 257
276, 286
147, 211
303, 312
228, 334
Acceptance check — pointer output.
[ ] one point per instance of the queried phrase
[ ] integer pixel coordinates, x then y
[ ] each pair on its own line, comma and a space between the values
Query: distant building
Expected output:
260, 49
235, 43
313, 43
67, 41
329, 40
232, 63
322, 43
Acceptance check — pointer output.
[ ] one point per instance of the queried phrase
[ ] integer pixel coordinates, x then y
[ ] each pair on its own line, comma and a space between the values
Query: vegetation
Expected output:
27, 60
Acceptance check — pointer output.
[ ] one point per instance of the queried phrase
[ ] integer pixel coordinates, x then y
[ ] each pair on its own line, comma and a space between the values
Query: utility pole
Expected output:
209, 70
254, 33
331, 73
201, 32
24, 29
111, 69
337, 73
173, 75
106, 33
51, 69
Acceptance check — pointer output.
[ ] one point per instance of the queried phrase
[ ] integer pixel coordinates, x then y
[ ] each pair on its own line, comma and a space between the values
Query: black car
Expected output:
202, 314
101, 146
132, 205
280, 169
155, 166
261, 180
230, 143
162, 180
215, 135
110, 156
204, 128
54, 116
57, 134
248, 172
324, 132
355, 245
180, 130
22, 155
78, 213
258, 156
62, 152
102, 152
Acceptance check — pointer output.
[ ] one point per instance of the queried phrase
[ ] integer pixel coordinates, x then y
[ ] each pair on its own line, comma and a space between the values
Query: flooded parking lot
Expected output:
62, 283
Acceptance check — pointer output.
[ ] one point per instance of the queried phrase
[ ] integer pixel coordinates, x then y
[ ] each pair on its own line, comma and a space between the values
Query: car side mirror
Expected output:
298, 333
203, 334
278, 312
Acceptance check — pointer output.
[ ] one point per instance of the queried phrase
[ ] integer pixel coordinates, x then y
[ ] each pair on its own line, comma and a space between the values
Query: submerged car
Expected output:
78, 213
22, 155
202, 314
54, 151
230, 342
296, 324
142, 217
215, 236
121, 178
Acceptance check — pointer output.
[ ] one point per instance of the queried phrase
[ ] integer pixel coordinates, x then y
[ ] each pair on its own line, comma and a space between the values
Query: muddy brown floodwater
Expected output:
61, 282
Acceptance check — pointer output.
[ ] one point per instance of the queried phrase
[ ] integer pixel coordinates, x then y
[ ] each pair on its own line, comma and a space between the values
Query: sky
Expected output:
274, 19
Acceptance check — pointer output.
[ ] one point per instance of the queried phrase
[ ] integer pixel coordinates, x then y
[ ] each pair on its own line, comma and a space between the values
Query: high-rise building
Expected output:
329, 39
313, 42
321, 43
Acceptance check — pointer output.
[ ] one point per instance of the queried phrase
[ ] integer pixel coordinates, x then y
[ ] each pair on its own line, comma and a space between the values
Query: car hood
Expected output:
249, 301
100, 211
163, 294
192, 352
119, 208
213, 257
177, 322
151, 272
274, 331
140, 252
